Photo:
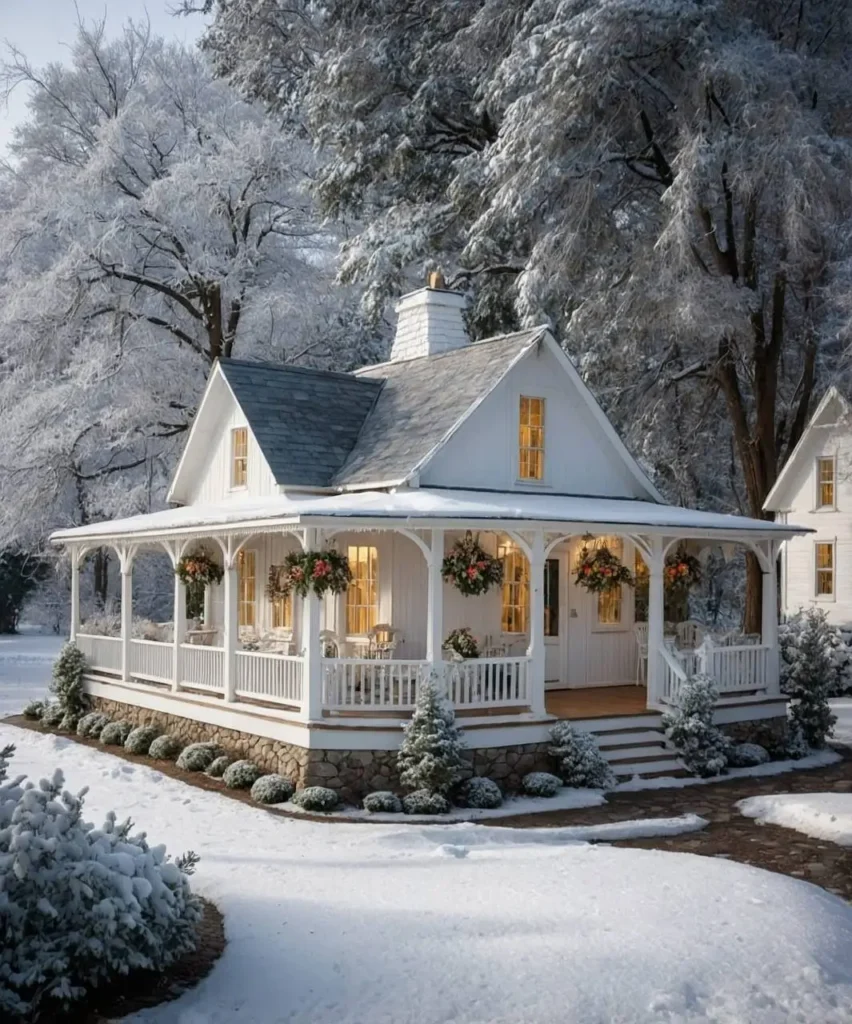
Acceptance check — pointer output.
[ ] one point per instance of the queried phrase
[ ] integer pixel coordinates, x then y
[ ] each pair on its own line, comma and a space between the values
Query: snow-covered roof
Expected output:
426, 507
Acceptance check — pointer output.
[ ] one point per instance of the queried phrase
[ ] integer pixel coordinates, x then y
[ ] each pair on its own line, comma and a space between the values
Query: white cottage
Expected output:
815, 489
393, 465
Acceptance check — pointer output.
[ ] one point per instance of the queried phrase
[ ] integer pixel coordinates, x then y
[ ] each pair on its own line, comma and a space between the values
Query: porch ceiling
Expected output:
428, 507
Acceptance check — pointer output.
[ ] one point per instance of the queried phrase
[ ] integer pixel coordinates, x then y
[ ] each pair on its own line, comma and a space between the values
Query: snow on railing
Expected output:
202, 667
484, 682
103, 653
272, 677
152, 660
373, 683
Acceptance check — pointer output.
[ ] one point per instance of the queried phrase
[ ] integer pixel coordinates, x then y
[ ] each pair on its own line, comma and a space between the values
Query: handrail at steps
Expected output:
674, 674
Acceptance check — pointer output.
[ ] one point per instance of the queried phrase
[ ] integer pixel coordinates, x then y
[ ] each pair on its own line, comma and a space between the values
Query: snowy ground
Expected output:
386, 924
842, 707
821, 815
25, 664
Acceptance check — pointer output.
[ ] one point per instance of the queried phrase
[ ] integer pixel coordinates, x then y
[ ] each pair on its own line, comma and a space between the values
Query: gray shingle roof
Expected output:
421, 401
305, 421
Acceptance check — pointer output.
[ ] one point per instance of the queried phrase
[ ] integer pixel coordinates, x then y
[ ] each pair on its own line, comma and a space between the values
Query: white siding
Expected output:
835, 526
579, 458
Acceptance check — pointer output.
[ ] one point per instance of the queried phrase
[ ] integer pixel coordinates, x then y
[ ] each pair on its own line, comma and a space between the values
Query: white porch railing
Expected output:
152, 660
273, 677
367, 682
736, 670
483, 682
202, 667
674, 674
103, 653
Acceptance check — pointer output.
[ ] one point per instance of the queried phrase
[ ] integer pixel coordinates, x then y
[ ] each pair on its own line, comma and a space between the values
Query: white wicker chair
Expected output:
641, 632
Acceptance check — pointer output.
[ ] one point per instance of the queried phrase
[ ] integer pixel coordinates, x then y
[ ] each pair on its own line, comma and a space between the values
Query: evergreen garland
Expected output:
302, 571
470, 568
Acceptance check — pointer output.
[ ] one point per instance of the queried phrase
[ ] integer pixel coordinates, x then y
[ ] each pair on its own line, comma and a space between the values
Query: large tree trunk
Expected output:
101, 576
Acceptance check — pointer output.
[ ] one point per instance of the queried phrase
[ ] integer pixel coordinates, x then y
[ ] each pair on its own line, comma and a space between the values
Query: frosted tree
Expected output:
430, 756
808, 678
701, 745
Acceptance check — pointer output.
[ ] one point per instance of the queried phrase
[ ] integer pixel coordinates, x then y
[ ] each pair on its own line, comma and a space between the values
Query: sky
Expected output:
42, 29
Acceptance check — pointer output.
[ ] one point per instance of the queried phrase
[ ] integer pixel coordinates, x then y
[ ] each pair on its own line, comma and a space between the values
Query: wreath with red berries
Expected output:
599, 570
681, 571
470, 568
302, 571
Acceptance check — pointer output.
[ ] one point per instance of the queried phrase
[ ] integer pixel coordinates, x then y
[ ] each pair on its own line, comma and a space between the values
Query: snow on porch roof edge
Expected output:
407, 507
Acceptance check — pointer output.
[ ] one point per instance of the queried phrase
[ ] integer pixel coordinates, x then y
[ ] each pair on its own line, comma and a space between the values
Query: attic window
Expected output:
531, 439
825, 483
239, 456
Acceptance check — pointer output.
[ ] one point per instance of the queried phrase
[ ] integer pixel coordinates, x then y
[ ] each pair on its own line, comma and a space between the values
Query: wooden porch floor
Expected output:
597, 702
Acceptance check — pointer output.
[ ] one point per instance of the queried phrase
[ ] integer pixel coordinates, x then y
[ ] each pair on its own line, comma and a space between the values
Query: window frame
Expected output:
817, 569
508, 552
244, 601
284, 605
818, 504
239, 481
616, 544
370, 609
526, 447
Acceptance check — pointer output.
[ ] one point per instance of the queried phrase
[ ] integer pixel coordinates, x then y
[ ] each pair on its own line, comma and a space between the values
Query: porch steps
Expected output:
636, 746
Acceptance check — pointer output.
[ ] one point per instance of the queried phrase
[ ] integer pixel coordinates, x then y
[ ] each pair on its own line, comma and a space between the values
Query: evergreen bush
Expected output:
115, 734
241, 775
702, 747
165, 748
430, 756
421, 801
69, 722
797, 746
67, 683
838, 653
382, 802
272, 789
216, 768
35, 709
140, 739
581, 764
810, 678
316, 798
541, 784
198, 757
747, 755
80, 906
91, 724
52, 715
479, 792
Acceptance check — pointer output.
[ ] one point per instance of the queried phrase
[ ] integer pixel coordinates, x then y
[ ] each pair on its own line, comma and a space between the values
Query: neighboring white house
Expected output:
814, 489
392, 464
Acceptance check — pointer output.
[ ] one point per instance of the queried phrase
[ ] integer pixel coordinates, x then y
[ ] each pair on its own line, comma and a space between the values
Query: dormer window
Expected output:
239, 457
531, 439
825, 483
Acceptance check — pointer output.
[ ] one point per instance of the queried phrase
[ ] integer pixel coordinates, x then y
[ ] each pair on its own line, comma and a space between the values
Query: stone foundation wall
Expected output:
353, 773
772, 733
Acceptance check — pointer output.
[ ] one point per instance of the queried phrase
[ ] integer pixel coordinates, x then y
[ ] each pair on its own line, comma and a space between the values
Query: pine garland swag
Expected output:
302, 571
470, 568
599, 570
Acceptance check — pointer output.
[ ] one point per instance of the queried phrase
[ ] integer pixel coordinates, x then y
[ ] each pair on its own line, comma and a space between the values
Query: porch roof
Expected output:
426, 507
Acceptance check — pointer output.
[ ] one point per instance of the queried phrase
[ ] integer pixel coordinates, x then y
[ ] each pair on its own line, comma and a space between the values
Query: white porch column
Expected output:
126, 563
232, 625
536, 651
311, 643
178, 631
769, 617
435, 609
75, 595
656, 624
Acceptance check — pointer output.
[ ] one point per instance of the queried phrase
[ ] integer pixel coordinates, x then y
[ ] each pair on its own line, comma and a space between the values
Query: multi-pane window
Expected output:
824, 569
362, 595
610, 601
551, 597
282, 612
239, 456
825, 483
247, 589
516, 589
531, 439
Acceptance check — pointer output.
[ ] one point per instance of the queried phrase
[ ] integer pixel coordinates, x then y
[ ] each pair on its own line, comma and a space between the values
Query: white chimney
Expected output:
429, 322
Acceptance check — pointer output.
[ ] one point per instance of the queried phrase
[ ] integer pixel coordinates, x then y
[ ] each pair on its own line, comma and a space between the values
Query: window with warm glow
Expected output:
610, 601
247, 589
531, 439
362, 595
825, 483
282, 612
824, 569
516, 589
239, 456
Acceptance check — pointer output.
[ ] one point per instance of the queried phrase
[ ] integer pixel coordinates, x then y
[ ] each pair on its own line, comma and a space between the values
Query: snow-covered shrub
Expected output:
838, 653
382, 802
797, 746
241, 775
421, 801
92, 724
165, 748
69, 722
140, 739
430, 756
197, 757
810, 678
216, 768
479, 792
52, 715
67, 682
272, 789
105, 624
115, 734
541, 784
316, 798
80, 906
747, 755
703, 748
581, 764
35, 709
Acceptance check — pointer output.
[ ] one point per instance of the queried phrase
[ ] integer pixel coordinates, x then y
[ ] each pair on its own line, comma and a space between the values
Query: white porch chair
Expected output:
490, 649
641, 632
689, 634
383, 641
329, 643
